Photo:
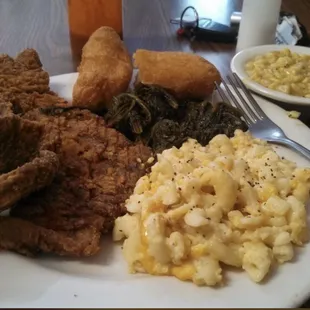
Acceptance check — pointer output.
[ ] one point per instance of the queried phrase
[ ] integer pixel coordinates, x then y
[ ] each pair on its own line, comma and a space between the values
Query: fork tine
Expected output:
238, 105
246, 105
254, 103
222, 93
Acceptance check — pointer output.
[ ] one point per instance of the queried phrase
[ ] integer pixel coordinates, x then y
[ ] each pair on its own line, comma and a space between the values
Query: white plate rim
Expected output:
239, 60
69, 290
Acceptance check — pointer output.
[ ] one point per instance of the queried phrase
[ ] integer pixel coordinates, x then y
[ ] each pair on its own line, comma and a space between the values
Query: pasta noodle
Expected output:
234, 202
283, 71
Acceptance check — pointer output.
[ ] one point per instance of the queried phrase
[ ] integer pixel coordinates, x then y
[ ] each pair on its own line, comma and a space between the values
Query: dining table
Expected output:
45, 26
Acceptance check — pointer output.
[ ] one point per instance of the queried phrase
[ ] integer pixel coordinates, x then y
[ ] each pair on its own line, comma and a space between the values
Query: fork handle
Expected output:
298, 147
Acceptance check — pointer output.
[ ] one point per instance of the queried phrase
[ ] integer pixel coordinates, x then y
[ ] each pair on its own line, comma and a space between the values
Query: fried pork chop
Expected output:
23, 168
98, 171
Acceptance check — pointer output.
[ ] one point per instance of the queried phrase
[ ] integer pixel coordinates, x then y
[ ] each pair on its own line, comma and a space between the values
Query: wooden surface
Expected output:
159, 34
43, 25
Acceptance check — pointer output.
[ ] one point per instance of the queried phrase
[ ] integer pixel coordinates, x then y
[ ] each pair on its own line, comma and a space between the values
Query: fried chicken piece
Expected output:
98, 166
6, 108
32, 176
98, 172
24, 169
19, 141
24, 102
24, 85
105, 70
28, 239
23, 74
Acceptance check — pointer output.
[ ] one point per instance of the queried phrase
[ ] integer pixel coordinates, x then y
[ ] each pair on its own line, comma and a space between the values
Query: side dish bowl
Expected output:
238, 66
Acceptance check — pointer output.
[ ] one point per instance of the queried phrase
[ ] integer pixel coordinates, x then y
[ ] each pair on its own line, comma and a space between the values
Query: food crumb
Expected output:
293, 114
139, 160
150, 160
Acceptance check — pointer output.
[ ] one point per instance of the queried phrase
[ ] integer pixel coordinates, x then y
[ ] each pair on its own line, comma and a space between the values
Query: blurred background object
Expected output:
57, 28
85, 16
258, 23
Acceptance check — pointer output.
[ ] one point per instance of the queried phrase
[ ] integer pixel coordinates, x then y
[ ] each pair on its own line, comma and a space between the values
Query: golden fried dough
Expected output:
105, 70
184, 75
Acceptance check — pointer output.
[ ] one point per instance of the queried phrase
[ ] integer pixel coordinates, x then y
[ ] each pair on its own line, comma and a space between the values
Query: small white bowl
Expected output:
237, 65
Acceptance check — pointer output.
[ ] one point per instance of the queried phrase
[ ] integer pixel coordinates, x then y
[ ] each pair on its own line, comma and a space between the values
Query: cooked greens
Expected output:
151, 114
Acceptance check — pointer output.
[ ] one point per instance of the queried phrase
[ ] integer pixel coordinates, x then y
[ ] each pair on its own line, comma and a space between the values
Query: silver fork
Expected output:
258, 122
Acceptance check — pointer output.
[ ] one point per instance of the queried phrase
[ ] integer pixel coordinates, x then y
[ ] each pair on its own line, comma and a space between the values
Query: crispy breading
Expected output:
19, 141
98, 171
186, 76
105, 70
6, 108
29, 239
24, 85
23, 74
30, 177
23, 168
24, 102
98, 167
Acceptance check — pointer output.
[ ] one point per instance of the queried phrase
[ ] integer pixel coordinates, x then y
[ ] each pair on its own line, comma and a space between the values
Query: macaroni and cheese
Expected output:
283, 71
234, 202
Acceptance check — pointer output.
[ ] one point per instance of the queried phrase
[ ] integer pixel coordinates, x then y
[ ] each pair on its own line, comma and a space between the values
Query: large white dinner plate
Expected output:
238, 65
102, 281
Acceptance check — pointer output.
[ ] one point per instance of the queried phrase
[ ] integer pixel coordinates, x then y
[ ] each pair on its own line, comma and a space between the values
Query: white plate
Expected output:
238, 65
103, 281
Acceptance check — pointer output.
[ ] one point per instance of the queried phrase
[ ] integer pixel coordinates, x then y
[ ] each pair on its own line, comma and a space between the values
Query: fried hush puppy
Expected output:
186, 76
105, 70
